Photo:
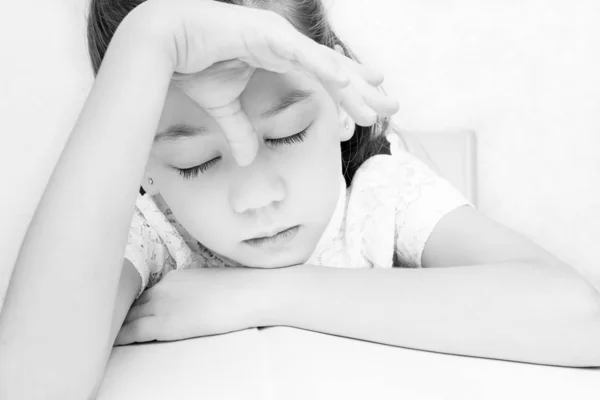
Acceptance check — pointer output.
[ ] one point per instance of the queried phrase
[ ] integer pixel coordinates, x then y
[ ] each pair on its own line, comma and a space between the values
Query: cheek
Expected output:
200, 209
315, 180
324, 156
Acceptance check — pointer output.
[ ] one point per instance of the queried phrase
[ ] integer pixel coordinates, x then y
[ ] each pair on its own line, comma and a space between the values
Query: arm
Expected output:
129, 285
55, 328
524, 306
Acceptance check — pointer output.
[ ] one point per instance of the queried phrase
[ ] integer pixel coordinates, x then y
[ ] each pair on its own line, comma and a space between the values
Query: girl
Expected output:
260, 153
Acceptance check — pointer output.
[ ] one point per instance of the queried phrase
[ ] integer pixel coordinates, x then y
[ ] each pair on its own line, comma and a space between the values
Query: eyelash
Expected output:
190, 173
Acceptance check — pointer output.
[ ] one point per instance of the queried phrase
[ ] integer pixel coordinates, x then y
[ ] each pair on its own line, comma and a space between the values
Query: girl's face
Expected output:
294, 181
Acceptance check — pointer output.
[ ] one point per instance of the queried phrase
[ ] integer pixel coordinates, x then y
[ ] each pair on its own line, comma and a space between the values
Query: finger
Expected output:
311, 56
349, 99
291, 46
355, 107
238, 131
374, 78
138, 331
139, 311
262, 54
381, 103
325, 64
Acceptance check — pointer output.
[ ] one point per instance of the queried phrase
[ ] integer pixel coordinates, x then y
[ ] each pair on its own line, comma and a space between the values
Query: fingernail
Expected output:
394, 106
243, 157
245, 154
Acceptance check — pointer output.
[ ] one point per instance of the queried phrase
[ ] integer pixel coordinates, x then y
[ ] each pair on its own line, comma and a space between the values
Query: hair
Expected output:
307, 16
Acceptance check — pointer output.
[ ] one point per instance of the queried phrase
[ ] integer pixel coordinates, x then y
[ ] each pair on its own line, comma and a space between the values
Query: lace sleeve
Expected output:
424, 199
145, 248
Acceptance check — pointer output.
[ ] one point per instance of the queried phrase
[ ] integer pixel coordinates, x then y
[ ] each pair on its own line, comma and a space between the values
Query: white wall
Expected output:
520, 73
524, 75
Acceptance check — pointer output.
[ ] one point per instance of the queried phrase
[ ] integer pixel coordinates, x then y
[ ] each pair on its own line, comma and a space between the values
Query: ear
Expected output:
347, 126
149, 185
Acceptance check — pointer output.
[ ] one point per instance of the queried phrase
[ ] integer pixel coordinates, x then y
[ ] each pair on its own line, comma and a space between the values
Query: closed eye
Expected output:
297, 138
190, 173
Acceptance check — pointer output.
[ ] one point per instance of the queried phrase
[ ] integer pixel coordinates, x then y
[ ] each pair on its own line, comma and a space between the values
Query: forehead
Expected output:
263, 91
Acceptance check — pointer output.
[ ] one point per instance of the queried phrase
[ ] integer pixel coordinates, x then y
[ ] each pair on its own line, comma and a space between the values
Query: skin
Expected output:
505, 281
285, 185
82, 237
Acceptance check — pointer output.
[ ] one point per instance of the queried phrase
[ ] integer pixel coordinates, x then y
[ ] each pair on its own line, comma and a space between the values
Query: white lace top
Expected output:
382, 220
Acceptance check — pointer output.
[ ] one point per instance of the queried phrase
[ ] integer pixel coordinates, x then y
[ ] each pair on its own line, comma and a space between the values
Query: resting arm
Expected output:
526, 306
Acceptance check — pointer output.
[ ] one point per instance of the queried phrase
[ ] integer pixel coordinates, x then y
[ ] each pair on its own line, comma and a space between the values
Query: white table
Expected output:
287, 363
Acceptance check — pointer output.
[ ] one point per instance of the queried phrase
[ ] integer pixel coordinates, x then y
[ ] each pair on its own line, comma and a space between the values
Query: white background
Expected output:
522, 73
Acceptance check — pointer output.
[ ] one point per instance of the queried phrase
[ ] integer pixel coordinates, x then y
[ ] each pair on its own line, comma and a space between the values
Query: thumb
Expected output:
238, 131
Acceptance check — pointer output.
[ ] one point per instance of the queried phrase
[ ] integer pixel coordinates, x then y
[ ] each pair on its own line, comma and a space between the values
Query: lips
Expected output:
270, 233
278, 237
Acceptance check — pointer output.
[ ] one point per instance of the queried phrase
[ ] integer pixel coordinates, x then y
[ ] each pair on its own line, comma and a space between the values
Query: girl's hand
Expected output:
197, 302
208, 39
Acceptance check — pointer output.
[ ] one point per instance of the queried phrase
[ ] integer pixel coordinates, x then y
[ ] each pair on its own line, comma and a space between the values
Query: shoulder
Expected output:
404, 197
396, 177
405, 177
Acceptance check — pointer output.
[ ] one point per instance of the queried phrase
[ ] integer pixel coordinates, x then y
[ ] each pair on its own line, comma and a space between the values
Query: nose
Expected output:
256, 187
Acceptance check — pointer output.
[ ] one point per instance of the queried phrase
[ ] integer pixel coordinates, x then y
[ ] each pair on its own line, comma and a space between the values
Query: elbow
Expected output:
578, 327
569, 294
585, 299
581, 299
588, 307
579, 342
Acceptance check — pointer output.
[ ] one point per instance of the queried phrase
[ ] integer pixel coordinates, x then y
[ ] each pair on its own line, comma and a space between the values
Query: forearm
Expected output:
521, 312
55, 325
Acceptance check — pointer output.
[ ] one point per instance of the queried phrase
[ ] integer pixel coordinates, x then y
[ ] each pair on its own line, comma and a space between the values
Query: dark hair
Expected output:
307, 16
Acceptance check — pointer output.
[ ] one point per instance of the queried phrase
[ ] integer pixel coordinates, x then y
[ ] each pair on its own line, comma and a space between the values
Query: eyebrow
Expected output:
181, 130
286, 101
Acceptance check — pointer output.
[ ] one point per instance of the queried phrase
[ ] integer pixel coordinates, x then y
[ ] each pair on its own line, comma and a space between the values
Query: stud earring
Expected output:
150, 181
347, 125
